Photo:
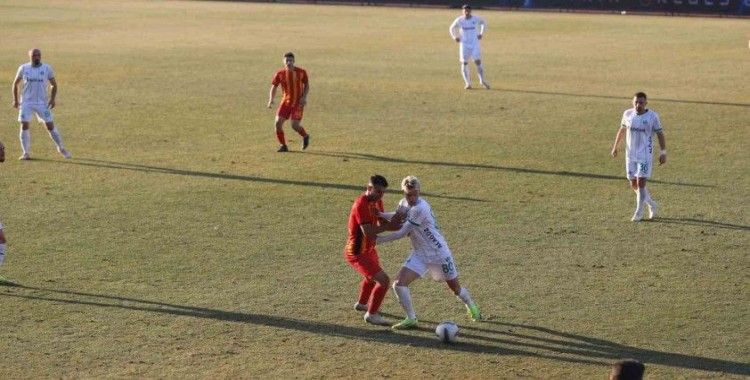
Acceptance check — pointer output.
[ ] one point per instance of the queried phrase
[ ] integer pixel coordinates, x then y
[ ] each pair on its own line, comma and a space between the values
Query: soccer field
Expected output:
178, 244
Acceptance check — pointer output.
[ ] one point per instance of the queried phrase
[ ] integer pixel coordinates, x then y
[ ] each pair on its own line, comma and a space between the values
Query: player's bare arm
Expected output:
618, 137
15, 92
271, 95
53, 93
303, 99
663, 147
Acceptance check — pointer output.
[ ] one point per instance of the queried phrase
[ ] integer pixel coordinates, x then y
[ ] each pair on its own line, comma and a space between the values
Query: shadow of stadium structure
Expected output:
679, 101
505, 339
236, 177
562, 173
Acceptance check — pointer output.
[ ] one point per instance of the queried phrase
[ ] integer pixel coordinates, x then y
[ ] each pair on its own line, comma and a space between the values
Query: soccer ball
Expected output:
447, 332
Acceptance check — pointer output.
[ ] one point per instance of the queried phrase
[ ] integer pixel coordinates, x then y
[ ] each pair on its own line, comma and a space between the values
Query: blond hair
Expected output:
410, 182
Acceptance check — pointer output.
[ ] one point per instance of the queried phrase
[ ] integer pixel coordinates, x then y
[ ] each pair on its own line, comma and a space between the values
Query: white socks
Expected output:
25, 140
480, 73
55, 135
404, 297
465, 297
2, 253
465, 74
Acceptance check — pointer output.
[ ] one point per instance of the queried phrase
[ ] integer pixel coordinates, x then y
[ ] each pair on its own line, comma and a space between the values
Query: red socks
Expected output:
280, 137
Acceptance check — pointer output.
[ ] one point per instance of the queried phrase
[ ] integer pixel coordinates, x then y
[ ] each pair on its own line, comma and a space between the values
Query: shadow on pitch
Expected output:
622, 98
505, 339
236, 177
700, 223
603, 349
372, 157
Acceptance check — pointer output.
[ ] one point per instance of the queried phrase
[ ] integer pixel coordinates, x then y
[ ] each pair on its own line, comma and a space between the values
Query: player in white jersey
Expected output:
36, 77
430, 253
471, 30
638, 125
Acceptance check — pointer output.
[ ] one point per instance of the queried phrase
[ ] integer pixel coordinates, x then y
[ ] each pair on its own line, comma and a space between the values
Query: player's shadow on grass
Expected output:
564, 173
505, 339
622, 98
236, 177
700, 223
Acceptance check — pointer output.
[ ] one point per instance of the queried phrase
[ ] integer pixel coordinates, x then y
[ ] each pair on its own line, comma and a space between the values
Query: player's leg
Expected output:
480, 68
463, 58
25, 137
365, 289
404, 278
279, 124
650, 203
413, 268
297, 126
377, 295
463, 294
2, 252
465, 75
2, 245
283, 113
24, 116
54, 134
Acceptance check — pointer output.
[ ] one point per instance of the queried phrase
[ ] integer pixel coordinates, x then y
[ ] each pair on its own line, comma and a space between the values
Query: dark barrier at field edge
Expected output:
707, 7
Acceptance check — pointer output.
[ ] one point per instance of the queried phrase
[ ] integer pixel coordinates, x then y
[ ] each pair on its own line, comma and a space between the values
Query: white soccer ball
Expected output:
447, 332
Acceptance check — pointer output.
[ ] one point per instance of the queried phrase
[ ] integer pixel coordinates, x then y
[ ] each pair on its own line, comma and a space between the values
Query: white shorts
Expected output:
42, 111
638, 169
443, 270
469, 53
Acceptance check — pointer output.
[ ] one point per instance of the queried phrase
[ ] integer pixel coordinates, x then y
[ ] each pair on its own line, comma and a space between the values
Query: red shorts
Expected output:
287, 111
367, 264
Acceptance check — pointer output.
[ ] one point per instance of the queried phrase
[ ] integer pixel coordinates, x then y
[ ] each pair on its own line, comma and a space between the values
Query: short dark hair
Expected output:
640, 94
628, 369
466, 6
289, 55
378, 180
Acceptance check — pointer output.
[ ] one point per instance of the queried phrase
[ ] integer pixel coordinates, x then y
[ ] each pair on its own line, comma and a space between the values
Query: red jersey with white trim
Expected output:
363, 212
293, 83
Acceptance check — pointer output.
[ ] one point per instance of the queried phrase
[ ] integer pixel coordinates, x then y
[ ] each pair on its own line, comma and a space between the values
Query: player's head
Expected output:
289, 59
629, 369
467, 9
410, 185
376, 187
640, 100
35, 56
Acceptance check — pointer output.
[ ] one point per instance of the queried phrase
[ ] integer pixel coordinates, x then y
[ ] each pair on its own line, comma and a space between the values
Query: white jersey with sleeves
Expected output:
35, 80
639, 138
469, 28
427, 240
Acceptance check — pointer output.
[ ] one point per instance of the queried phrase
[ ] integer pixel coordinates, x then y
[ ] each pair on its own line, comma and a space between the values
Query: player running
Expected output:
471, 30
430, 253
294, 82
639, 124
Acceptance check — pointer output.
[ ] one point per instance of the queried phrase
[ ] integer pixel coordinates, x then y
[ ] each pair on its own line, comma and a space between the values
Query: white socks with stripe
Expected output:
25, 140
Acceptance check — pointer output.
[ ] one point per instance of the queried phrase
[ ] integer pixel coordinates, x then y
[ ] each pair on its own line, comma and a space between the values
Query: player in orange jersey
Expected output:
365, 223
294, 83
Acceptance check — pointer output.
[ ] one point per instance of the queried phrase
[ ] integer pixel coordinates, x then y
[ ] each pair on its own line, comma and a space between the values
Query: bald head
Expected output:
35, 56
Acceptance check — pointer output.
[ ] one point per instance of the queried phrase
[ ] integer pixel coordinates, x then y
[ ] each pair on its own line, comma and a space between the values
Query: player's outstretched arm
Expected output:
403, 231
271, 95
53, 93
618, 137
663, 147
15, 91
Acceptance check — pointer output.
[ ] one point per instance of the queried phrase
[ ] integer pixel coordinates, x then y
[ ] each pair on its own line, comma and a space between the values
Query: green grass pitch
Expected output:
178, 244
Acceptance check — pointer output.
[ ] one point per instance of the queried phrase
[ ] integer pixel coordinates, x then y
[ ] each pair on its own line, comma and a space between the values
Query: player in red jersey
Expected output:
365, 223
294, 83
